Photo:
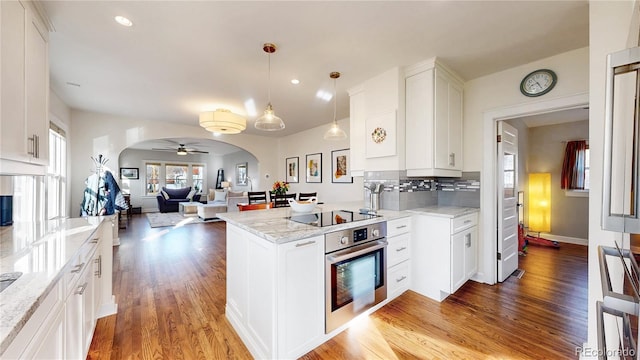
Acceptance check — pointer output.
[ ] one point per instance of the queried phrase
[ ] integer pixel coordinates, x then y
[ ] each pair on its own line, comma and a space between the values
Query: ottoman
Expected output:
210, 211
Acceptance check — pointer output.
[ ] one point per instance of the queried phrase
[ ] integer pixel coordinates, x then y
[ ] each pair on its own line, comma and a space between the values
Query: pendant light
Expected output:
335, 133
269, 121
222, 121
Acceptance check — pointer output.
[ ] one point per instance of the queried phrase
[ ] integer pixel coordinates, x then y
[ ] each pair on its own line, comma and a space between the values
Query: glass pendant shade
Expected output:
222, 121
269, 121
335, 133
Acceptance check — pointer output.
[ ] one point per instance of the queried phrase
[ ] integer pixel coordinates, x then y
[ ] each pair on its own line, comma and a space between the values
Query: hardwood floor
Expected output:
170, 288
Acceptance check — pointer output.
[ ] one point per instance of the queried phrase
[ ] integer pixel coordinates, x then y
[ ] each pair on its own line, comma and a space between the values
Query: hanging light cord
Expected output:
269, 77
335, 102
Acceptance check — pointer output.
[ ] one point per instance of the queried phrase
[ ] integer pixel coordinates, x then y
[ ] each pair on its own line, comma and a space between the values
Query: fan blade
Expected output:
198, 151
165, 149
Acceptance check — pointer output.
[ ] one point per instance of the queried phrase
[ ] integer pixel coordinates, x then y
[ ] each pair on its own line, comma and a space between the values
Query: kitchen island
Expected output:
276, 279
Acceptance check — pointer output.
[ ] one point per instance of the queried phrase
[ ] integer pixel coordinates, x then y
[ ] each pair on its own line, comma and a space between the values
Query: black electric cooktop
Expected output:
331, 218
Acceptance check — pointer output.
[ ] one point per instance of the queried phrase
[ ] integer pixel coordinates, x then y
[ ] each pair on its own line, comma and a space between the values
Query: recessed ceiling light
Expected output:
123, 21
295, 81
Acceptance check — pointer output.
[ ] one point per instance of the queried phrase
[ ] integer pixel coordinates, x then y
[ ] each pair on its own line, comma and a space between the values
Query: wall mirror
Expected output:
242, 174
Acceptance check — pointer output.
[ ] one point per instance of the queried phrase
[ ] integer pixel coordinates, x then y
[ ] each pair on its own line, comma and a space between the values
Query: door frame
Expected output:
487, 272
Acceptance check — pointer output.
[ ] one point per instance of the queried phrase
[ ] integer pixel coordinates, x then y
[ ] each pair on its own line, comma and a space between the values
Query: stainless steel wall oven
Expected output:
356, 277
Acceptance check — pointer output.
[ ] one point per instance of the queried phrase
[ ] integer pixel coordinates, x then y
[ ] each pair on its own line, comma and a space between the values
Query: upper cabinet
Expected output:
24, 94
433, 105
357, 118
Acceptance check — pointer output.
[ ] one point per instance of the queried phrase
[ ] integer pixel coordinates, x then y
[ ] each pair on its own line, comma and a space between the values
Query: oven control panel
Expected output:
345, 238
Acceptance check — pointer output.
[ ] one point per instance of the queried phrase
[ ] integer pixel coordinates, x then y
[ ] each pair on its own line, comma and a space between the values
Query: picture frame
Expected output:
292, 169
340, 170
130, 173
313, 168
242, 174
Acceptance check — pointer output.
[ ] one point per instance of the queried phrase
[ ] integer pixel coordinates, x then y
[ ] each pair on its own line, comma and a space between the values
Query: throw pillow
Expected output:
191, 193
212, 194
221, 196
164, 194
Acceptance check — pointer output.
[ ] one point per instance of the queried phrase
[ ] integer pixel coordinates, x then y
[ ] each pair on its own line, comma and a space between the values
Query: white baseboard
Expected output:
565, 239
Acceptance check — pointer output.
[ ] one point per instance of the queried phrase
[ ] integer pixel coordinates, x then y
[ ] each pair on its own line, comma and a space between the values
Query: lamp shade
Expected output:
269, 121
335, 133
540, 202
225, 184
222, 121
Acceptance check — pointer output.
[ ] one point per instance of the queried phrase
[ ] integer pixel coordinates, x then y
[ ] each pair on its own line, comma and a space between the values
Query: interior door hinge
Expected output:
499, 256
499, 138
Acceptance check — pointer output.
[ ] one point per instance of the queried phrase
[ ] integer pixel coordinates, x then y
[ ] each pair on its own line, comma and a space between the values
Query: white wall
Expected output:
94, 133
610, 30
310, 142
256, 183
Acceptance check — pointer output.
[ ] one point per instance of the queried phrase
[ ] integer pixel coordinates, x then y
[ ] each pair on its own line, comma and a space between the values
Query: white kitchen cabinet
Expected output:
398, 256
447, 248
275, 293
433, 105
357, 117
24, 93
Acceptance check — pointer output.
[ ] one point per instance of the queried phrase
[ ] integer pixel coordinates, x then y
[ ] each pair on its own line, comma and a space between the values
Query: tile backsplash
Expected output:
400, 192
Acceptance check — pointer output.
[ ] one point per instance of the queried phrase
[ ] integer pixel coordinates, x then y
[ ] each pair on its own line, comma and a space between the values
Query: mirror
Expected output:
242, 174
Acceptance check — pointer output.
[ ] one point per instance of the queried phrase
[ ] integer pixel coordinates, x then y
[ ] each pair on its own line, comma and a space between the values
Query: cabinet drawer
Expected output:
398, 279
398, 226
463, 222
398, 249
77, 265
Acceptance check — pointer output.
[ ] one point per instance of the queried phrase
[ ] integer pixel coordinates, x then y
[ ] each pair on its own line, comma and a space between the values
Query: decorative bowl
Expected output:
303, 206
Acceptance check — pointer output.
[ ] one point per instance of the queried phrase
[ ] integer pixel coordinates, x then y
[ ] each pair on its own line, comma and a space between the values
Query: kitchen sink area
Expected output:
8, 278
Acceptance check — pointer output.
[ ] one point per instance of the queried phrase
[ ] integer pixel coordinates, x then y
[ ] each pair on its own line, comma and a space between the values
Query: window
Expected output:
173, 176
152, 178
575, 168
56, 174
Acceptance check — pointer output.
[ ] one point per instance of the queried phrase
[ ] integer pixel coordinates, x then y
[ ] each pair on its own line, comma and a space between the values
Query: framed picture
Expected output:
242, 172
293, 171
340, 166
314, 168
129, 173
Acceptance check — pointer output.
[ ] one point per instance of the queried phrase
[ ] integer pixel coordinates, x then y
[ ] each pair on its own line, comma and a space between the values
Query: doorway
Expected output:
488, 272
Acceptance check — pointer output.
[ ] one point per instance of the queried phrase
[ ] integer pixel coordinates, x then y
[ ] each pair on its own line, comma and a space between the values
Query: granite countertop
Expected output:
40, 250
444, 211
273, 225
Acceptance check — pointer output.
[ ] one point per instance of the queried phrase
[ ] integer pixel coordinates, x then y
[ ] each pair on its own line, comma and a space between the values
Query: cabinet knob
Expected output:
344, 240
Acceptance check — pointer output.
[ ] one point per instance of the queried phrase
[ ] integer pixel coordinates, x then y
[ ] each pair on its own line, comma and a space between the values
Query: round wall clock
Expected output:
538, 82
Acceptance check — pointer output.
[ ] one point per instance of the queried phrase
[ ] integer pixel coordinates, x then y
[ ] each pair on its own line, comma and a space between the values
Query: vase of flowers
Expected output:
280, 187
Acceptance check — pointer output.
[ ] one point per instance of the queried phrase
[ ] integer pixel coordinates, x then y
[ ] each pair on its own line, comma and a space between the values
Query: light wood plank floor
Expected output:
170, 289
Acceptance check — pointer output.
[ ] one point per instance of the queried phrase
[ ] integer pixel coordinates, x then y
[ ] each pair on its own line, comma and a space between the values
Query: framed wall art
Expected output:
340, 166
313, 165
242, 173
292, 166
129, 173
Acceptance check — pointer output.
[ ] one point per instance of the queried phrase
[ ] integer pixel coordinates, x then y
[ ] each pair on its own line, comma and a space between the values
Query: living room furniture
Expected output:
220, 201
210, 211
188, 208
169, 203
281, 200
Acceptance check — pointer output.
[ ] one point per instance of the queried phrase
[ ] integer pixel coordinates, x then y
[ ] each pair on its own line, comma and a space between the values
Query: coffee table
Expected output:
188, 208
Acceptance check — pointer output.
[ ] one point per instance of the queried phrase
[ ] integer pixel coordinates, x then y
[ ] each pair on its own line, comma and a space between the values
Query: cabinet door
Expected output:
419, 120
441, 121
73, 324
37, 91
51, 342
357, 115
458, 275
88, 310
12, 119
471, 252
455, 126
236, 273
301, 296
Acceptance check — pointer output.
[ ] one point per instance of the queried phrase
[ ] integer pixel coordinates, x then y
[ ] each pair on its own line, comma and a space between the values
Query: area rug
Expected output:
173, 219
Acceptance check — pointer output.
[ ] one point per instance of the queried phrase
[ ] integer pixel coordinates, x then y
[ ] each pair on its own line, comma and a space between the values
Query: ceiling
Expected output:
556, 117
183, 57
213, 147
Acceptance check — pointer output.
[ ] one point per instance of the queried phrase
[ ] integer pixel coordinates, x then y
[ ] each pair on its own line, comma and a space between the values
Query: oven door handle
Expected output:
356, 251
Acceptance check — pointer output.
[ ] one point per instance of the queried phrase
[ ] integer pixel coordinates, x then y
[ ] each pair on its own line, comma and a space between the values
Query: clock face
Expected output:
538, 82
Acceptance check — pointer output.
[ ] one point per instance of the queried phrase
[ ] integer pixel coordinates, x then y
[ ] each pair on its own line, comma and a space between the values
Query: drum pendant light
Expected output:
335, 133
269, 121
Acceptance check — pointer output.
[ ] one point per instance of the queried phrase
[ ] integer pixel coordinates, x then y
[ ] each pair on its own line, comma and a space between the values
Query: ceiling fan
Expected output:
181, 149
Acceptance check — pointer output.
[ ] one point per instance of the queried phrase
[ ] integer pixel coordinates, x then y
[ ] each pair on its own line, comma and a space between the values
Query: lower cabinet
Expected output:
448, 250
275, 293
398, 257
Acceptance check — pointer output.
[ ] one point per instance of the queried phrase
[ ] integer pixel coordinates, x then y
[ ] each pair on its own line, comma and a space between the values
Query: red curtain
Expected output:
574, 165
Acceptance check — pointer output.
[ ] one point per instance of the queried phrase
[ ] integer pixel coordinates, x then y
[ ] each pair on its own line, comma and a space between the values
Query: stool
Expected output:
210, 211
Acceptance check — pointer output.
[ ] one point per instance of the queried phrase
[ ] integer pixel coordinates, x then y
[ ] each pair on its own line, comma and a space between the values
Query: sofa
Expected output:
221, 201
168, 199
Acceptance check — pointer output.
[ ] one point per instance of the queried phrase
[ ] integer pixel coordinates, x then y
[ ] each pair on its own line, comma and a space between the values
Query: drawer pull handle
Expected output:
401, 227
467, 221
305, 243
81, 289
401, 278
402, 248
77, 268
95, 241
467, 240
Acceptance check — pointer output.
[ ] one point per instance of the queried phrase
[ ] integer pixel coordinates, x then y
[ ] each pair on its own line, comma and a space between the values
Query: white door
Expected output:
507, 200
